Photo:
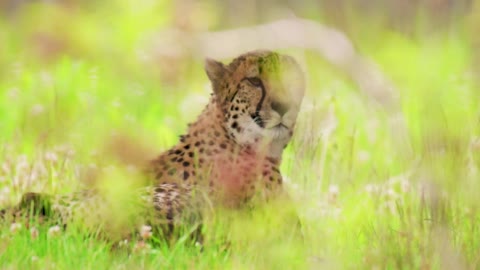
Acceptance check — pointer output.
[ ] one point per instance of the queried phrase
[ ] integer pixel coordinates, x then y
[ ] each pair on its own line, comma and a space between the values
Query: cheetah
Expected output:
228, 156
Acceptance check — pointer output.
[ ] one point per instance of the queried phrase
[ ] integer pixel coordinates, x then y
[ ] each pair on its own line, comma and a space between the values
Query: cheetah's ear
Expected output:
215, 70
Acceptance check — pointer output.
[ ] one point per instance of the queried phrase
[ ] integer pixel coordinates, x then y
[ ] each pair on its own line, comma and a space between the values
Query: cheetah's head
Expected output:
260, 94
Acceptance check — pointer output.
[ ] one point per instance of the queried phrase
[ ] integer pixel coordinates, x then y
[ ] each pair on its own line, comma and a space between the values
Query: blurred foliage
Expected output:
76, 76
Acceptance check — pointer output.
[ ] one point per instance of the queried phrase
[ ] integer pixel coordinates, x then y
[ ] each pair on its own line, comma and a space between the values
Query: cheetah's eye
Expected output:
255, 81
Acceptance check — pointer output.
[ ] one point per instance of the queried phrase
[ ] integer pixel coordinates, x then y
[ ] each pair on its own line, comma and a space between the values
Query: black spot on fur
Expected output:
159, 189
185, 175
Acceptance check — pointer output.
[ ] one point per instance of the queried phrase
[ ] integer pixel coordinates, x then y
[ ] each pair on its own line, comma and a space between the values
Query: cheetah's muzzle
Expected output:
230, 154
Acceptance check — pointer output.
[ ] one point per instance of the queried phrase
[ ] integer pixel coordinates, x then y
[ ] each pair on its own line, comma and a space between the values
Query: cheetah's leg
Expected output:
31, 205
174, 211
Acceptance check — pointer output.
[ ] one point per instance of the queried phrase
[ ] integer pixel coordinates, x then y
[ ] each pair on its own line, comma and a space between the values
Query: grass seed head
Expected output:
54, 231
146, 232
34, 233
15, 227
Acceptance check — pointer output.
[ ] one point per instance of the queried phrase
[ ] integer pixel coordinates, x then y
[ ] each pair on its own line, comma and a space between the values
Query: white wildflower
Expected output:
333, 191
129, 118
15, 227
136, 89
123, 243
5, 191
6, 168
390, 206
405, 185
34, 233
22, 163
336, 212
141, 246
363, 156
145, 232
66, 150
33, 176
51, 156
391, 193
13, 93
54, 231
329, 122
3, 199
46, 78
131, 168
475, 144
116, 103
40, 168
371, 188
37, 109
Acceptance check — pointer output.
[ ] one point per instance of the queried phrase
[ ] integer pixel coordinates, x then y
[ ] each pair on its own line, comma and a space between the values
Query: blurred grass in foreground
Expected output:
74, 78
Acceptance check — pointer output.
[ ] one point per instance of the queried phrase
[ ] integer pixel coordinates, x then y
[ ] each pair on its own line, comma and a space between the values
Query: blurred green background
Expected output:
76, 76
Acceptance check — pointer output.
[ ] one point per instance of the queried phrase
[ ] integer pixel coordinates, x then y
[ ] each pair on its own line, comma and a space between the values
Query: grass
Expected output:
68, 90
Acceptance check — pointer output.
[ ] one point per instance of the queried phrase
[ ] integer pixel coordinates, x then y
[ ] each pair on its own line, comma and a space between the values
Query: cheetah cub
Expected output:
228, 156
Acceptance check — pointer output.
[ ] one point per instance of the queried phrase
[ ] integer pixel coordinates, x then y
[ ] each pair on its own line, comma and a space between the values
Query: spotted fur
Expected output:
231, 153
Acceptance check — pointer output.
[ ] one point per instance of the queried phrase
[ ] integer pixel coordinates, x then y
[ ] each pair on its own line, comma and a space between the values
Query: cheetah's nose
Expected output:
279, 107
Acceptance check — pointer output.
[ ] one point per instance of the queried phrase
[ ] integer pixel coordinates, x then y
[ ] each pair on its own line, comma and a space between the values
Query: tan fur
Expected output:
225, 153
233, 150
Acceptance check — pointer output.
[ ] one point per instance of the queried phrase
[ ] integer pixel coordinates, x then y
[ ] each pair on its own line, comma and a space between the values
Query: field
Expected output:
85, 95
